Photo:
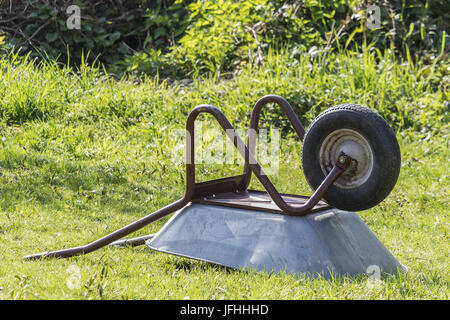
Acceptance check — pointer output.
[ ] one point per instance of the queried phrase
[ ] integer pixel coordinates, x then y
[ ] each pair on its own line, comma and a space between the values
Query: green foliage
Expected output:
224, 35
109, 30
412, 29
178, 38
165, 23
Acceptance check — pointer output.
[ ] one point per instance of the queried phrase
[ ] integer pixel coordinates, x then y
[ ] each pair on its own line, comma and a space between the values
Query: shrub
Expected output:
177, 38
109, 29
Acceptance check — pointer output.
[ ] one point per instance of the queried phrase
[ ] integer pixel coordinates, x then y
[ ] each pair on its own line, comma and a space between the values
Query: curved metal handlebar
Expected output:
251, 163
254, 122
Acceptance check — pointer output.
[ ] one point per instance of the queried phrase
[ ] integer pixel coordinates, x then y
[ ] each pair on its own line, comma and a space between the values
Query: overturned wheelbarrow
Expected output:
350, 157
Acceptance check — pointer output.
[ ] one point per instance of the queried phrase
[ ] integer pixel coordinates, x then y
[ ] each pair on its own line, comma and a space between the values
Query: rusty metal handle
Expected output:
253, 165
116, 235
254, 122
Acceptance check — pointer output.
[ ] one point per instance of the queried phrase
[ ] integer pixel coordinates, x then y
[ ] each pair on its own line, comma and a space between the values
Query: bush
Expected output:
177, 38
223, 35
109, 30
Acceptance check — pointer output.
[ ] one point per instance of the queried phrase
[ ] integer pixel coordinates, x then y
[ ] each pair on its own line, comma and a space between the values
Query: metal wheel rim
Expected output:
357, 147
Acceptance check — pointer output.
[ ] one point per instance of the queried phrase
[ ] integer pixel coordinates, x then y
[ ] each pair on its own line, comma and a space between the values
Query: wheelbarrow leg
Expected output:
116, 235
132, 242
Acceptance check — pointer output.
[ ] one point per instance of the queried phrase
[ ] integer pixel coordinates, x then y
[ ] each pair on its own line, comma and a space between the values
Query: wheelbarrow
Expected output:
350, 158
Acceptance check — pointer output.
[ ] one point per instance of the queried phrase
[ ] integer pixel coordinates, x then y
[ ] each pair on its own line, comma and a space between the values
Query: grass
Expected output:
83, 154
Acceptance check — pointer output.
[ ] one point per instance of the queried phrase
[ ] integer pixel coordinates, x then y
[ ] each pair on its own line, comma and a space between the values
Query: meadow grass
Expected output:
83, 154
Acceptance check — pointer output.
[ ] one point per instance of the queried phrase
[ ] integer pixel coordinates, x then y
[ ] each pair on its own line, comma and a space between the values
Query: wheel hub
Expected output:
354, 145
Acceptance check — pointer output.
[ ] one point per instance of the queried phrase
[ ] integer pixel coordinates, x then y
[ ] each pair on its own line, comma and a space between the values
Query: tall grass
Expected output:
407, 95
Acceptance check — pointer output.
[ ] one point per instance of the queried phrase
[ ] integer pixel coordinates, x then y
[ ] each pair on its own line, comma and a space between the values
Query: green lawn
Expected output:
83, 154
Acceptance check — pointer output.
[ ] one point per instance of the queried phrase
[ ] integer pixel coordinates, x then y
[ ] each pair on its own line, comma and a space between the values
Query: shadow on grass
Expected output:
399, 279
83, 185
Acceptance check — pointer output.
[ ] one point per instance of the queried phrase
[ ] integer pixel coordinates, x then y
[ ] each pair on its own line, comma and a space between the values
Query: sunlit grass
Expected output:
83, 154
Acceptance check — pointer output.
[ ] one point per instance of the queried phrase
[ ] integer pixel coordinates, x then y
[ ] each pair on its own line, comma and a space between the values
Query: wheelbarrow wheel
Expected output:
366, 137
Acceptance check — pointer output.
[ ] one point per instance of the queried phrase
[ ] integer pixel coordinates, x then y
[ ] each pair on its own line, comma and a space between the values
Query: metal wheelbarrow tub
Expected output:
327, 243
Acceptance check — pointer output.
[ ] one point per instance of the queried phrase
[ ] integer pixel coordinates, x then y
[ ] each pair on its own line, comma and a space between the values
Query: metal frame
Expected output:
207, 192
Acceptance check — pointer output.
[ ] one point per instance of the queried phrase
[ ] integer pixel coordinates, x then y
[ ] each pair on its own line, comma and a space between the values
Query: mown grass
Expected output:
83, 154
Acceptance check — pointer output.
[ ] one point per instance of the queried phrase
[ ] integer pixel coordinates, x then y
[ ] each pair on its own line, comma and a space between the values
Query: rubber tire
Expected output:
385, 153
